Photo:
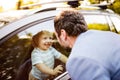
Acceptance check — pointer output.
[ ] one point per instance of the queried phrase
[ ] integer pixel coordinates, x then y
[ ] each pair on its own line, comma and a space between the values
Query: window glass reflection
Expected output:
116, 22
98, 22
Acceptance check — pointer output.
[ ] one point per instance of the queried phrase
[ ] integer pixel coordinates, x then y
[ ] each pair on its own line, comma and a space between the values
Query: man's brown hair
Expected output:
71, 21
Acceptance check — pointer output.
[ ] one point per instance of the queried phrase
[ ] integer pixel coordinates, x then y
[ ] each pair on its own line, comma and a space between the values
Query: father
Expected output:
95, 54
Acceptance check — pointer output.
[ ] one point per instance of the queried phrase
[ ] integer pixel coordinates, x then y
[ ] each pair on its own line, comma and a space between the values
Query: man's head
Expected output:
71, 22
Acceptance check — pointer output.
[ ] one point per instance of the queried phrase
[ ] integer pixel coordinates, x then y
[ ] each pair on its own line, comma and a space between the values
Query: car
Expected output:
15, 38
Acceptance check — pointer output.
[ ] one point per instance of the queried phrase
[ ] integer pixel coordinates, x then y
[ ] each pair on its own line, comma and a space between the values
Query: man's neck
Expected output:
72, 41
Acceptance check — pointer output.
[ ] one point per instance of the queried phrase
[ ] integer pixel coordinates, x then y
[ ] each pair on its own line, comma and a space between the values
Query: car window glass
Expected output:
17, 49
98, 22
116, 22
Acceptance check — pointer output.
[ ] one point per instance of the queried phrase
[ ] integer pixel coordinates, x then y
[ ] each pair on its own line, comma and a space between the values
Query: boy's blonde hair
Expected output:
36, 37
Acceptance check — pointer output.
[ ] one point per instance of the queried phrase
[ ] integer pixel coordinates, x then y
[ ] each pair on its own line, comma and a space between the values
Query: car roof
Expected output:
11, 16
48, 12
14, 25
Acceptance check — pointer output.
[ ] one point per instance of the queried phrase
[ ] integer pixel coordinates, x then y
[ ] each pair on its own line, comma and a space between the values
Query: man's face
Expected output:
61, 39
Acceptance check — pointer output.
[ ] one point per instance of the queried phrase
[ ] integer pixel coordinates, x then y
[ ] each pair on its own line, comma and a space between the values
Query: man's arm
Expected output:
83, 68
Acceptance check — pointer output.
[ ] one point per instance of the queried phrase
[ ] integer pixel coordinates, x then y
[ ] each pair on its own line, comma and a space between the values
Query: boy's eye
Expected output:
50, 38
45, 37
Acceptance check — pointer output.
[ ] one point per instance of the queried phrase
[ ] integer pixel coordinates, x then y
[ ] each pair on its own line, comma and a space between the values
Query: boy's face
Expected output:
45, 41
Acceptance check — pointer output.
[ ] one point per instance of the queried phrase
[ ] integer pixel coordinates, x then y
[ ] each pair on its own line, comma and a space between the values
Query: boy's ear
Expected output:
63, 34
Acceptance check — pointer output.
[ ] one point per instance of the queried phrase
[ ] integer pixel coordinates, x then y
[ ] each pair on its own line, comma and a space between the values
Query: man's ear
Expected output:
63, 34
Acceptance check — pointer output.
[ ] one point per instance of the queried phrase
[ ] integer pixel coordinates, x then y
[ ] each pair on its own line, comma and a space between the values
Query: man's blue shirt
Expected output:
95, 56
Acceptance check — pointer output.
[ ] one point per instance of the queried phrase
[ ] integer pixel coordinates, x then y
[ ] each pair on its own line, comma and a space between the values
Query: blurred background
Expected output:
7, 5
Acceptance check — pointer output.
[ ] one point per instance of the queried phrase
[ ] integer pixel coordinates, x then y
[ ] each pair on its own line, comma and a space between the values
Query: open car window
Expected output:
17, 50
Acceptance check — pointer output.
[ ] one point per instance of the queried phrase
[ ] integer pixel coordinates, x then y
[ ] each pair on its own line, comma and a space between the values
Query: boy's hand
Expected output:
58, 70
